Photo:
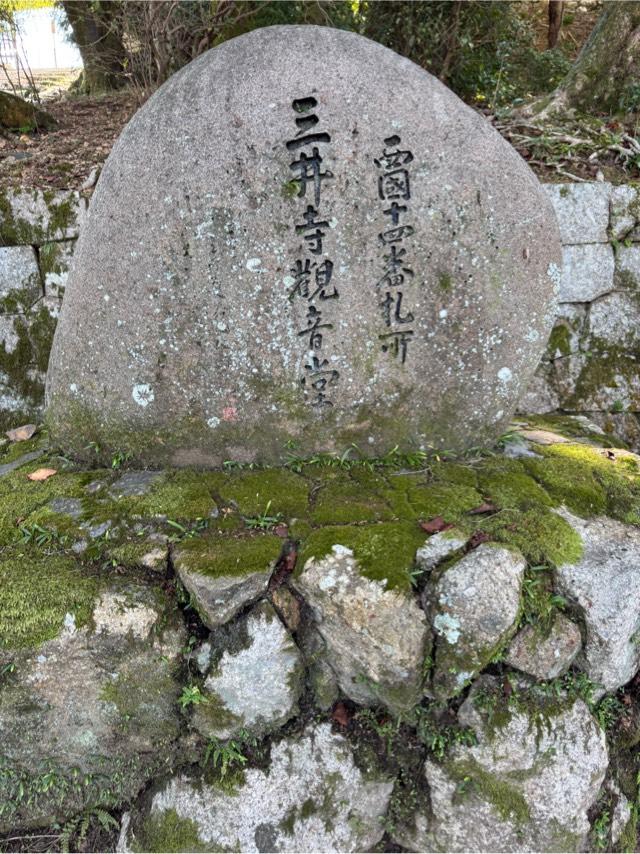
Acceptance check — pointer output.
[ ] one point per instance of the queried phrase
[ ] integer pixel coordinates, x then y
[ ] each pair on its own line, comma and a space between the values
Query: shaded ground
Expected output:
63, 158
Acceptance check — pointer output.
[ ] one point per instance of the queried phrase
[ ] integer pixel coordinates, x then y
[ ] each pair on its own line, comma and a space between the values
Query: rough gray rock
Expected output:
587, 272
256, 682
312, 798
624, 211
437, 548
36, 216
94, 711
375, 638
20, 284
582, 210
628, 267
218, 598
605, 584
7, 468
527, 786
134, 483
545, 656
473, 608
615, 318
195, 361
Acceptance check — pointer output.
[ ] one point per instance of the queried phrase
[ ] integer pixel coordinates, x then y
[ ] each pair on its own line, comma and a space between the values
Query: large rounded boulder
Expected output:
302, 240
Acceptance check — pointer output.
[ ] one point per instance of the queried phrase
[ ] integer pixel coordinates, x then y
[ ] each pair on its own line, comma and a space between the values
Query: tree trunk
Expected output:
100, 45
18, 114
607, 70
556, 9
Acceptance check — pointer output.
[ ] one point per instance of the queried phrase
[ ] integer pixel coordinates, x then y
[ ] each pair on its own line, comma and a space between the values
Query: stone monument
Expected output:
302, 241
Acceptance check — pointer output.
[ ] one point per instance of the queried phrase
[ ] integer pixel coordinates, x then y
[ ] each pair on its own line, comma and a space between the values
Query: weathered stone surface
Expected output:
255, 683
624, 201
375, 637
582, 211
34, 217
437, 548
627, 276
587, 272
313, 797
615, 320
525, 787
545, 656
93, 710
55, 261
20, 284
134, 483
598, 380
569, 330
219, 597
473, 608
621, 812
605, 584
194, 342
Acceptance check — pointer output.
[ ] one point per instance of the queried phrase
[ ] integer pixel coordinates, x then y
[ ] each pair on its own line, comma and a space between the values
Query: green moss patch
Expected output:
184, 495
166, 832
252, 491
385, 552
219, 556
542, 536
588, 481
38, 591
346, 499
506, 483
21, 497
504, 796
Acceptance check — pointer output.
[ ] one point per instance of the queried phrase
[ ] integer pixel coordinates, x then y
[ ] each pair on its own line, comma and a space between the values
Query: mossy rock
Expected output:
347, 499
38, 593
386, 551
219, 556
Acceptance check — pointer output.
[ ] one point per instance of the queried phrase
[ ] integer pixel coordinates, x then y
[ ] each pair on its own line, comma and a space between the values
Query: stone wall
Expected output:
592, 363
38, 230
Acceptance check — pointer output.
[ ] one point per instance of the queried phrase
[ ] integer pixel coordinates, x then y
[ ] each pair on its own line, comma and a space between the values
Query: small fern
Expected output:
74, 832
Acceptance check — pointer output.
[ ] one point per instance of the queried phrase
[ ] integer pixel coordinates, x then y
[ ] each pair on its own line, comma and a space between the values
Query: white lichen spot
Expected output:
73, 388
115, 615
553, 272
253, 264
70, 623
339, 550
143, 394
505, 375
448, 627
443, 313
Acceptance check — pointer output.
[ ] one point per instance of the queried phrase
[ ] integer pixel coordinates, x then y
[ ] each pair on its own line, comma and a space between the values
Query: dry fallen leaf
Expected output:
21, 434
340, 714
42, 474
435, 525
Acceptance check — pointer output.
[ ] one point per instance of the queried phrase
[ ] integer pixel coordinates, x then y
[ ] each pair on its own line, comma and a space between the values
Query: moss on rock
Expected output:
223, 556
38, 592
165, 831
385, 552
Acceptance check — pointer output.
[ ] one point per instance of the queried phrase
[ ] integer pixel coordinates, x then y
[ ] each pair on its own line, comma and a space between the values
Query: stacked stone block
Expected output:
592, 362
38, 230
